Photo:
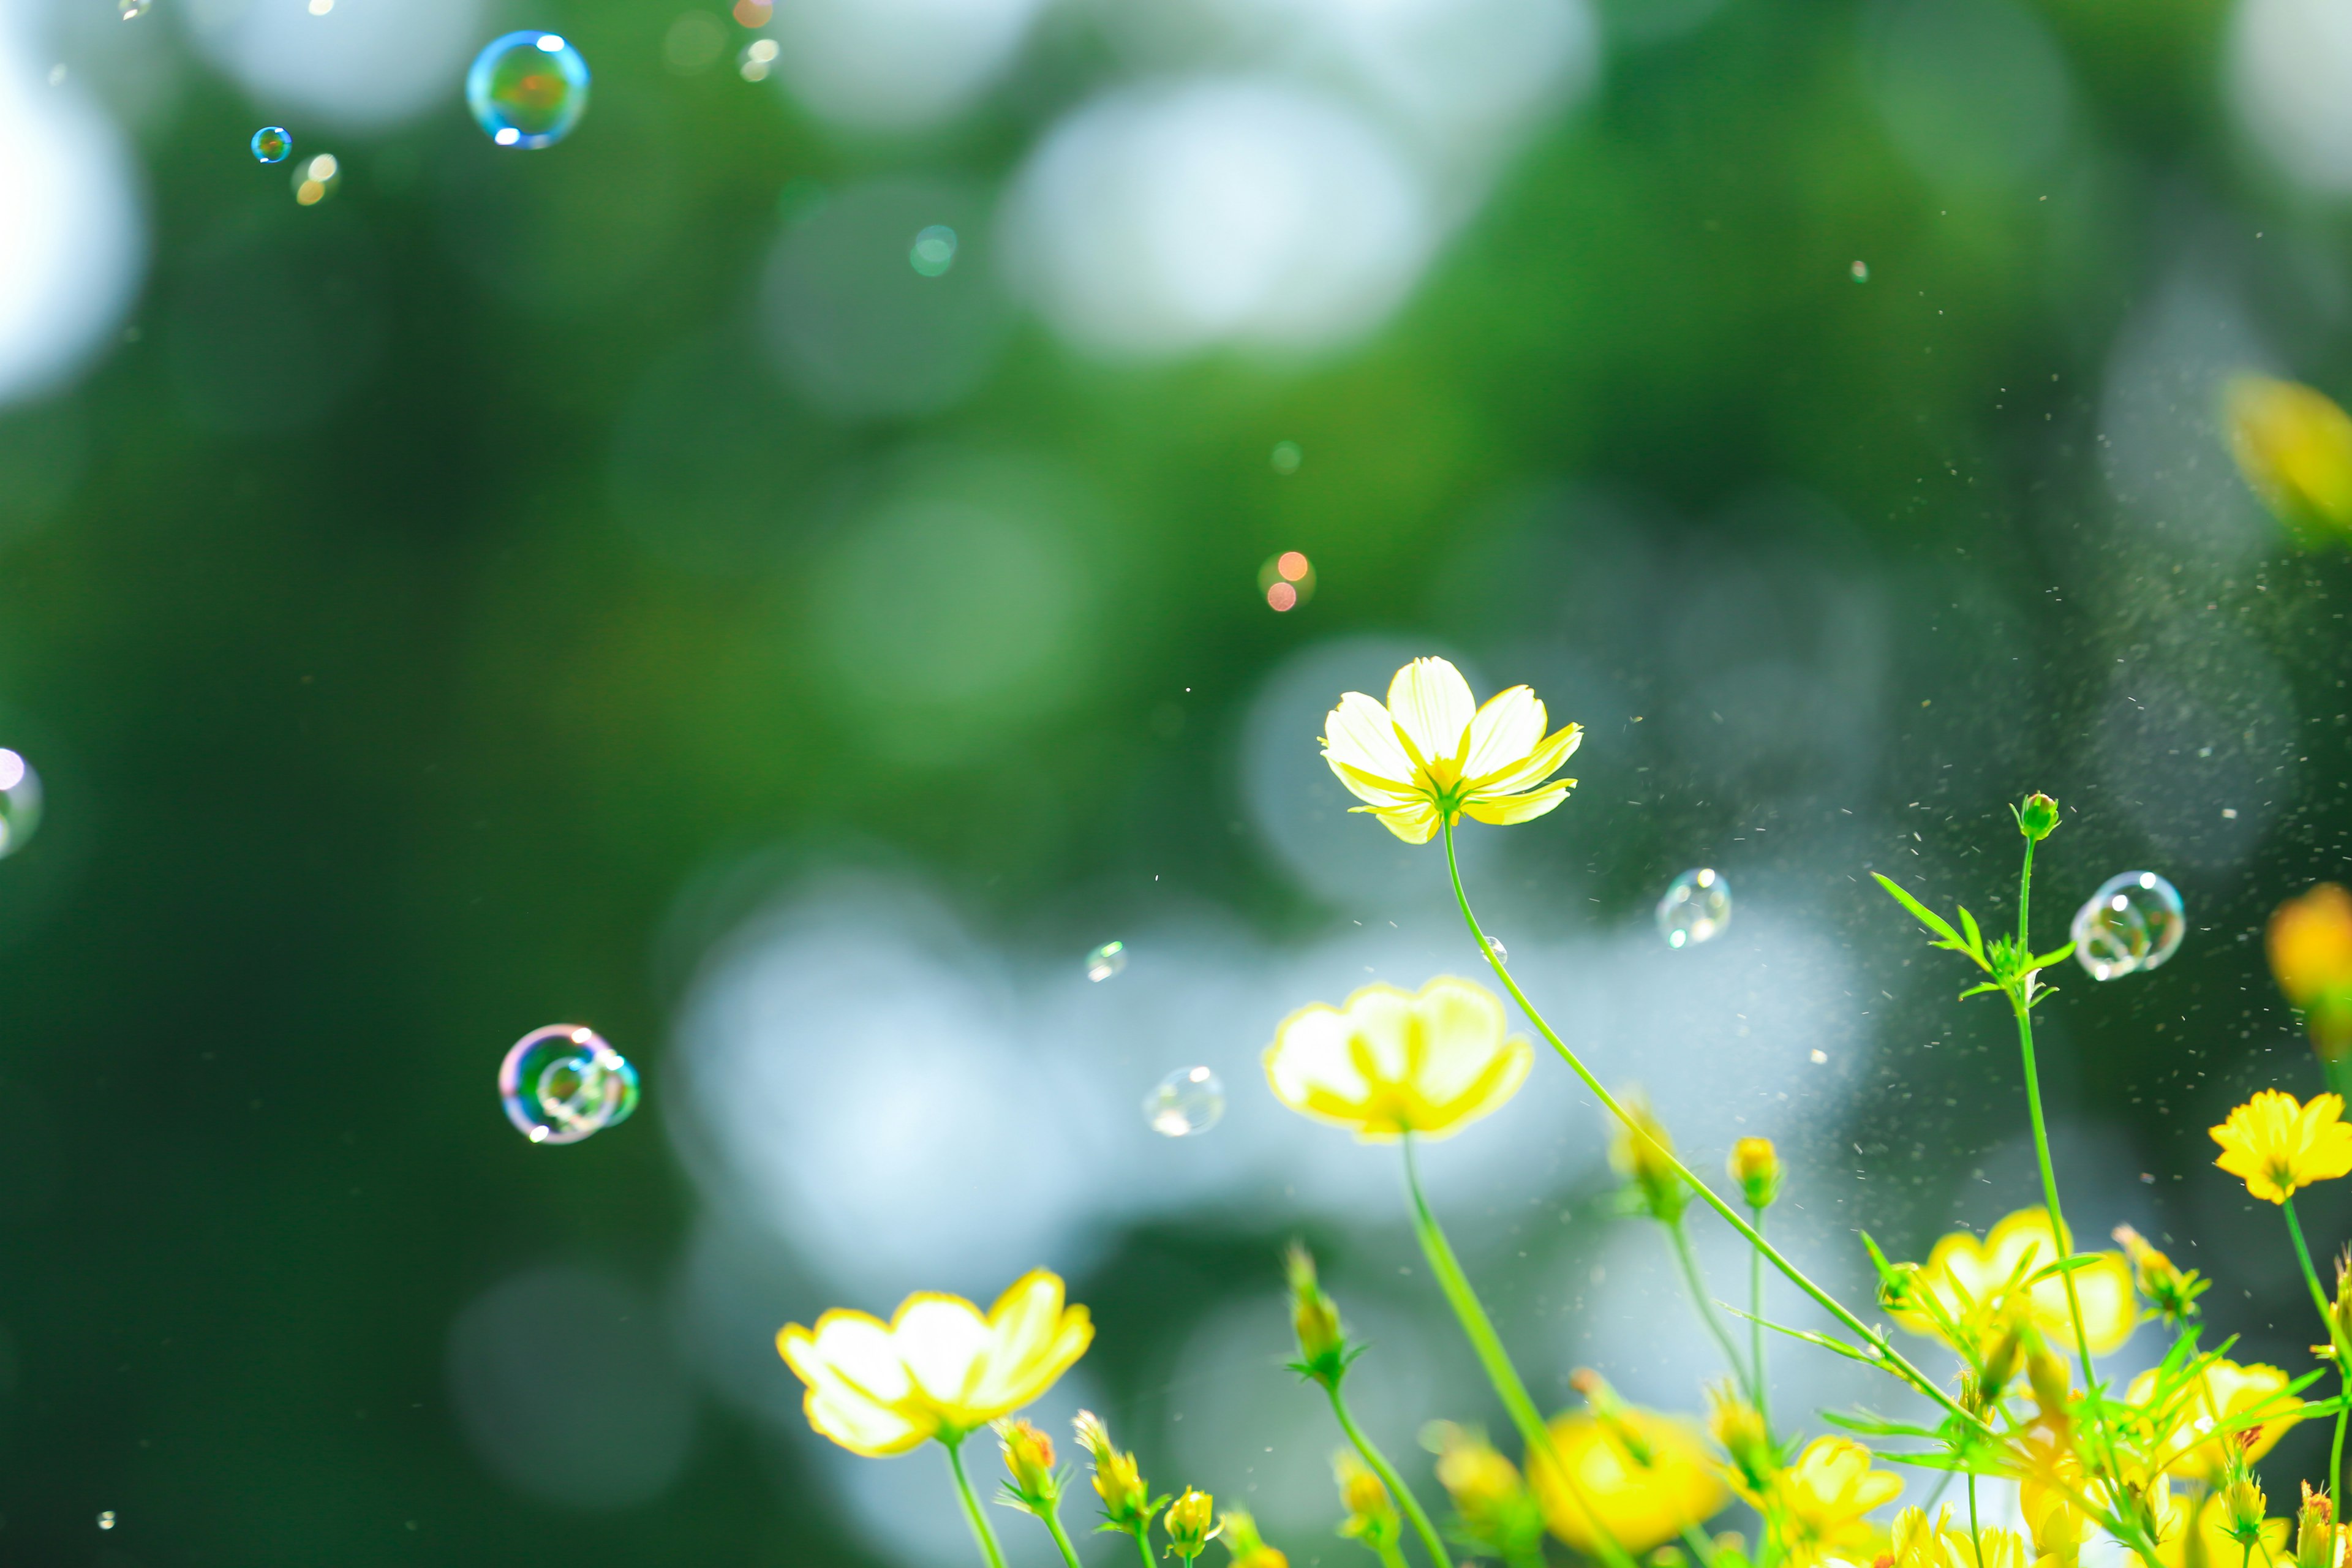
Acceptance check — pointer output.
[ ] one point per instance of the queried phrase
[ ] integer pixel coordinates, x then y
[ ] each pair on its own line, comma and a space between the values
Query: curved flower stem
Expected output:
1377, 1462
1755, 1325
1497, 1361
1053, 1518
1143, 1545
2335, 1338
1705, 1305
1392, 1558
977, 1519
1885, 1353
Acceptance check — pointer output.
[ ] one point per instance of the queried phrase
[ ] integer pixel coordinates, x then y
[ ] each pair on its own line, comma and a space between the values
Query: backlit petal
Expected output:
944, 1342
1503, 810
1431, 705
1360, 735
1415, 824
1537, 765
1503, 731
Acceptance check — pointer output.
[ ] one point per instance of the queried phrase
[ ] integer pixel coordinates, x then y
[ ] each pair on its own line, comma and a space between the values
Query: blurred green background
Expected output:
454, 607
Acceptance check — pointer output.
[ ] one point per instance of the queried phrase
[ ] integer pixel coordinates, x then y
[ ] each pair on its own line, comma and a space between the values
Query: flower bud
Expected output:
1128, 1503
1322, 1346
2172, 1290
1029, 1461
1491, 1499
1188, 1523
1738, 1427
1239, 1531
1643, 1154
2294, 446
1371, 1515
1999, 1364
2246, 1507
2314, 1531
2037, 817
2309, 940
2053, 1384
1756, 1167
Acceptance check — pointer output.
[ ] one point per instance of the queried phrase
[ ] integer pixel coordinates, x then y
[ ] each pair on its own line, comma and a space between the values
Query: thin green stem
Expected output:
1756, 1326
2336, 1449
1885, 1353
2335, 1338
1705, 1305
2059, 1239
971, 1512
1975, 1535
1053, 1518
1143, 1545
1496, 1362
1409, 1505
1391, 1557
1701, 1547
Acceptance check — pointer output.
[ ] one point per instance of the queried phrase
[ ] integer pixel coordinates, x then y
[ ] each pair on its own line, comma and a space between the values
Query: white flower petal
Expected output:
943, 1341
1432, 706
1504, 731
1361, 734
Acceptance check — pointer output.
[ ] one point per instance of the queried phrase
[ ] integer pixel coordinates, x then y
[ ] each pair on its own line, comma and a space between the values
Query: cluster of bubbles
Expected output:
563, 1083
1287, 580
1695, 908
1188, 1101
528, 88
2135, 922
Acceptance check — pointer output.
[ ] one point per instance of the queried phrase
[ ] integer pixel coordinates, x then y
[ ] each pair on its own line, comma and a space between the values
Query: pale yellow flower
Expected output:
1433, 755
2294, 447
2223, 1390
2309, 940
1970, 1280
1390, 1062
2275, 1144
1819, 1503
937, 1368
1921, 1542
1644, 1497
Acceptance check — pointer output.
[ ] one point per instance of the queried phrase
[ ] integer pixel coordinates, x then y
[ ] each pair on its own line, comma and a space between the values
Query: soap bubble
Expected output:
1860, 272
20, 802
562, 1083
2133, 922
934, 250
527, 90
1186, 1101
271, 143
1106, 961
1696, 907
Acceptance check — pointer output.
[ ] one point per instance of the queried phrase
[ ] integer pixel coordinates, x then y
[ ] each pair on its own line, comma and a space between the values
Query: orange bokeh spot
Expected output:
1282, 596
1291, 565
754, 12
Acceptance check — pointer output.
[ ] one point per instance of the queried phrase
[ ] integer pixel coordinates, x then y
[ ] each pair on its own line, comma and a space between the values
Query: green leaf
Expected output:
1977, 990
1868, 1357
1921, 913
1976, 937
2060, 956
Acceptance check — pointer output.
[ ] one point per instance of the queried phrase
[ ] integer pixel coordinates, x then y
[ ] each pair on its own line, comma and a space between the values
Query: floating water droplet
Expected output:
20, 802
1186, 1101
316, 178
271, 143
1861, 272
1288, 457
2133, 922
934, 250
1494, 946
1696, 907
131, 11
562, 1083
1106, 961
106, 1519
527, 90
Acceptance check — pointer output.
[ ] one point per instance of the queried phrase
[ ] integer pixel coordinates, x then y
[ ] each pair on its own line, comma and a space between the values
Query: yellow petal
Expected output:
1504, 731
1537, 765
1415, 824
1391, 1061
943, 1343
1504, 810
1432, 706
1360, 735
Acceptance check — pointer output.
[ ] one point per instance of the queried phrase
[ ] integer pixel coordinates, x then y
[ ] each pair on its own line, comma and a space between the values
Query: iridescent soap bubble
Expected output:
1106, 961
2133, 922
20, 802
563, 1083
527, 90
271, 143
934, 250
1186, 1101
1698, 905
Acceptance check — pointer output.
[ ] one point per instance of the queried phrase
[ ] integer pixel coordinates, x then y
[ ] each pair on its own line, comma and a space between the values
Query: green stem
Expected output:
1494, 1359
2335, 1451
1885, 1353
1143, 1544
1701, 1547
1756, 1326
2059, 1239
1705, 1305
1406, 1502
2335, 1338
979, 1521
1392, 1558
1975, 1535
1053, 1518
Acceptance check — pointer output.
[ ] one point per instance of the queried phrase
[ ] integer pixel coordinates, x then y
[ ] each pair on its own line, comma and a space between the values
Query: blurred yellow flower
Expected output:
2224, 1390
2309, 940
1970, 1280
2214, 1546
2294, 446
2276, 1144
1921, 1542
1433, 755
1820, 1502
1642, 1498
1391, 1061
937, 1368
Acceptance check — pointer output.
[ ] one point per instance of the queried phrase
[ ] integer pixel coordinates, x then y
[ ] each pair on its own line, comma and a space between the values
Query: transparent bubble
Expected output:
1186, 1101
132, 10
1106, 961
20, 802
271, 143
1288, 457
1494, 946
527, 90
1696, 907
316, 178
2133, 922
563, 1083
1860, 272
934, 250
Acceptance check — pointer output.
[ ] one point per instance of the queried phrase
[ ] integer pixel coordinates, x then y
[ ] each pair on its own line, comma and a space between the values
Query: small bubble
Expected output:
1494, 946
1860, 272
760, 59
934, 250
1288, 457
131, 11
320, 7
317, 178
106, 1519
563, 1083
1696, 907
271, 143
1820, 1058
1106, 961
20, 802
2134, 921
1186, 1101
527, 90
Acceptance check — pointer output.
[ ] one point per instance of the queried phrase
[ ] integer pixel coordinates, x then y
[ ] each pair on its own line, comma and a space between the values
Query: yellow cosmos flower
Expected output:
1433, 755
1642, 1498
2309, 940
1390, 1062
937, 1368
1921, 1542
1820, 1502
2223, 1390
2294, 447
2275, 1143
1970, 1280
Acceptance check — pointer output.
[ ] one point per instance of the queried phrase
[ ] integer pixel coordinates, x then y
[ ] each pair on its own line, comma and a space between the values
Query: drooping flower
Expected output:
1388, 1062
2222, 1392
2294, 446
937, 1368
1371, 1513
1432, 755
1645, 1476
2275, 1143
1819, 1503
1641, 1151
1979, 1284
2172, 1290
